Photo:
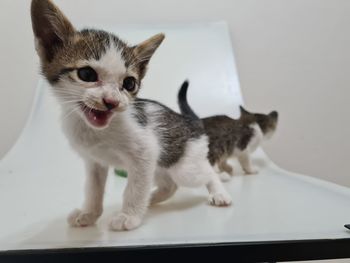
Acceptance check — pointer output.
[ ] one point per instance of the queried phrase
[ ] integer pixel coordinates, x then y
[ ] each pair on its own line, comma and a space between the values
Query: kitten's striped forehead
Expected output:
95, 43
111, 62
90, 45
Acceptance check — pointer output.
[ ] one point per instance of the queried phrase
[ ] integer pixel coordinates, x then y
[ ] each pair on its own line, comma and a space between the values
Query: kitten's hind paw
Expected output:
220, 199
78, 218
123, 222
251, 171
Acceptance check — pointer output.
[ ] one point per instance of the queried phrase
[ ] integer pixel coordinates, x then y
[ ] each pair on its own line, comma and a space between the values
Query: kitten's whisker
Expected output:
69, 113
74, 102
139, 60
68, 92
68, 97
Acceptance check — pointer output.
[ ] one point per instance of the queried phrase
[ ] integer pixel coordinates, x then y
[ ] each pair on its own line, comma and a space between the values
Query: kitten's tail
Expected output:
183, 104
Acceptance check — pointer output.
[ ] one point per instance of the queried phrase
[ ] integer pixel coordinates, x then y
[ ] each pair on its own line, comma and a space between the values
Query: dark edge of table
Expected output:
269, 251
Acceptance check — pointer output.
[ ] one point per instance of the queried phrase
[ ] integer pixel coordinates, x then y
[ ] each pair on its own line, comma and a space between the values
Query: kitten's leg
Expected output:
136, 198
224, 172
224, 166
94, 190
166, 188
216, 167
218, 195
244, 160
224, 177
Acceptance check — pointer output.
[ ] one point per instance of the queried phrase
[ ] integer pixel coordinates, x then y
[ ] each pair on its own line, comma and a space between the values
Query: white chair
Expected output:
41, 178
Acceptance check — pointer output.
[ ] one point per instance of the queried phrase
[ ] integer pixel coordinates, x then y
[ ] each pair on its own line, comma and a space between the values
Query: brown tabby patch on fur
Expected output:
227, 134
266, 122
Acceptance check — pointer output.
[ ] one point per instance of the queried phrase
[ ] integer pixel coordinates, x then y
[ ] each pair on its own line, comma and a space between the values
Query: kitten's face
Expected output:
93, 73
266, 122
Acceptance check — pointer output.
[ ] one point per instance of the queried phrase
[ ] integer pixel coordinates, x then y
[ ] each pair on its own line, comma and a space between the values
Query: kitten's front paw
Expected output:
220, 199
123, 222
78, 218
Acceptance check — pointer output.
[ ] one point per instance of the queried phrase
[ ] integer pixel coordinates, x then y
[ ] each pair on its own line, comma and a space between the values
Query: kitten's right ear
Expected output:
274, 115
50, 26
144, 51
243, 110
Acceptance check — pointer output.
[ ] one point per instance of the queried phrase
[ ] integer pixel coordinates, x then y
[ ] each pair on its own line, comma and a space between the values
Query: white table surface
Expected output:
41, 178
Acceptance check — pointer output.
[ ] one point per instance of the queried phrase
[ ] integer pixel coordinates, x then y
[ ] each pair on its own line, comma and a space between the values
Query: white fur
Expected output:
226, 170
269, 134
256, 140
110, 65
244, 156
185, 172
124, 143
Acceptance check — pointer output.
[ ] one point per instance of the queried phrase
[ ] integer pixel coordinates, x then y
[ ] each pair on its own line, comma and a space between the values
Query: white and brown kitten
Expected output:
232, 138
96, 77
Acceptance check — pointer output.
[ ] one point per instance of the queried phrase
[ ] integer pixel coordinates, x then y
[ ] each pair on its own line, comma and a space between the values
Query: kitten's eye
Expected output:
129, 84
87, 74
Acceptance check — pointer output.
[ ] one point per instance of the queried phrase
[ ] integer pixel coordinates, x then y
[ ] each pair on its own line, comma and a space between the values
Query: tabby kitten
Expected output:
96, 77
232, 138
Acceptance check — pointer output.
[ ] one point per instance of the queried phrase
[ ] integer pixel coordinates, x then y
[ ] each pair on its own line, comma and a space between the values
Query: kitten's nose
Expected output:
110, 103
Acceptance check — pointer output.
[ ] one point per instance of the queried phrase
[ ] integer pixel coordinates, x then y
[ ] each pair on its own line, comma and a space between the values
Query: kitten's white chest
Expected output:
256, 139
106, 146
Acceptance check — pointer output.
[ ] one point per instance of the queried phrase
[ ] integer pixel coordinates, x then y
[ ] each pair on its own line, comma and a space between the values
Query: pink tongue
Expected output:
97, 118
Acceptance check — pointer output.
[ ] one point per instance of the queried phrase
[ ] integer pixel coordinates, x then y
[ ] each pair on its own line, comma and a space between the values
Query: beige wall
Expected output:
292, 56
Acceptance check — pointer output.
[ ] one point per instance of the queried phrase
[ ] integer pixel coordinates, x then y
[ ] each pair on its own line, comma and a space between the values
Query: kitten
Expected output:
232, 138
96, 77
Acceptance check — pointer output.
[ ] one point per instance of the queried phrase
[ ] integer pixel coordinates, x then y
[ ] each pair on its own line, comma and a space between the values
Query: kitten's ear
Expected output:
50, 26
145, 50
274, 115
243, 110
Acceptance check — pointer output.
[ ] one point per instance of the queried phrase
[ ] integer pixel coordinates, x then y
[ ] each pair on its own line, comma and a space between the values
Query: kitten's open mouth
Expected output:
96, 118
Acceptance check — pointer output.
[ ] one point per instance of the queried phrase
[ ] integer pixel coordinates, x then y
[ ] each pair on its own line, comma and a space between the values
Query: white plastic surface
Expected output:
41, 178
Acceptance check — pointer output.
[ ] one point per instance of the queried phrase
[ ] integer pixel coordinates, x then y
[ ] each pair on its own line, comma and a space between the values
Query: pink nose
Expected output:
110, 103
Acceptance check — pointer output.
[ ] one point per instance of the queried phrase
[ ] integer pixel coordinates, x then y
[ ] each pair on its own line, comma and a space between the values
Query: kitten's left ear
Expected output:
145, 50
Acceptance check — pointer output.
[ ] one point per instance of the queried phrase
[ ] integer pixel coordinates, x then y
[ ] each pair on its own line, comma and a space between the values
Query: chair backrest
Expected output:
201, 53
